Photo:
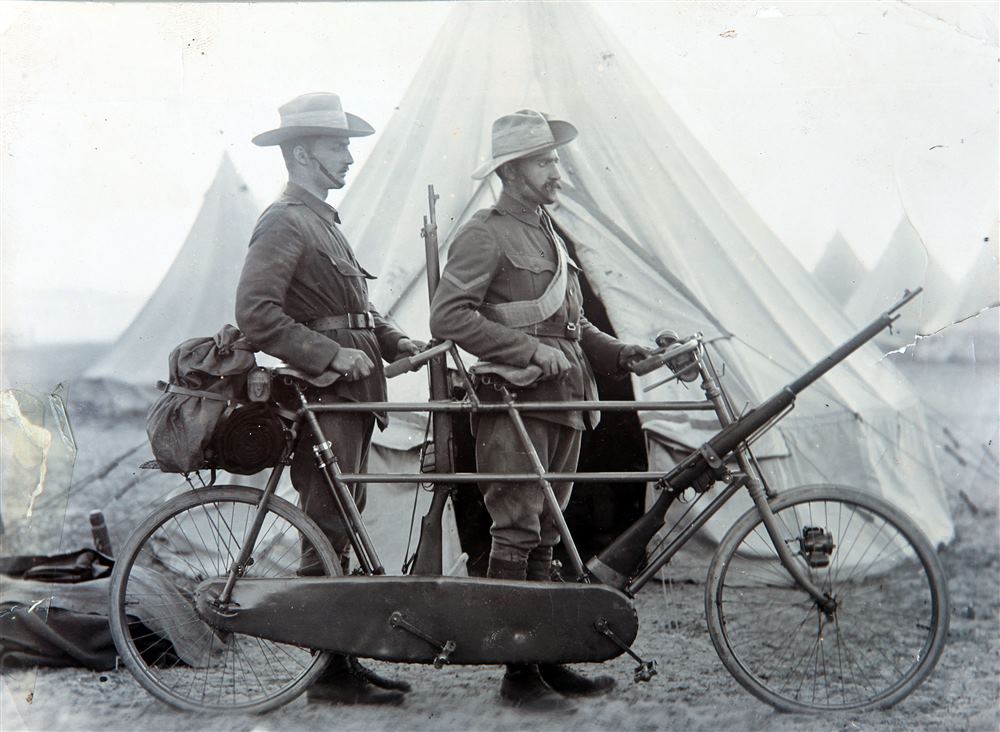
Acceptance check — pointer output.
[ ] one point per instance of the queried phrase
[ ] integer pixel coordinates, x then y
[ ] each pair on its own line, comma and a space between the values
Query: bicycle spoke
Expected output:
201, 539
881, 587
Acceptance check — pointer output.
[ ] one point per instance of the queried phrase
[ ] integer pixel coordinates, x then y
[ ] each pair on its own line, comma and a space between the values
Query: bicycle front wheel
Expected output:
170, 650
886, 632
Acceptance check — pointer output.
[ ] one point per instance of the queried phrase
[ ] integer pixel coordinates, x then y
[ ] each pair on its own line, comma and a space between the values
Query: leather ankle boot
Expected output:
338, 684
373, 677
567, 681
523, 687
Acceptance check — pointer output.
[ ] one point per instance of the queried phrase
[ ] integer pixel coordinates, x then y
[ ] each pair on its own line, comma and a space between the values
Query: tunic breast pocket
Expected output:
528, 275
346, 268
350, 279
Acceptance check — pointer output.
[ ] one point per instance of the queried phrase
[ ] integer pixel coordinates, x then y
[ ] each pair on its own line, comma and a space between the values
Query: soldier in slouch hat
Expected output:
510, 294
303, 297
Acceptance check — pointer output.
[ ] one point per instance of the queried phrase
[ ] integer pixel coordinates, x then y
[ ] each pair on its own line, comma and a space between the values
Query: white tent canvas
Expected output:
974, 323
905, 264
197, 295
663, 236
839, 270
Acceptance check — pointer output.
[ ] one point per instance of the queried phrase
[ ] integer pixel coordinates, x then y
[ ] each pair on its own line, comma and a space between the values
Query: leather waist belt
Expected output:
569, 331
356, 321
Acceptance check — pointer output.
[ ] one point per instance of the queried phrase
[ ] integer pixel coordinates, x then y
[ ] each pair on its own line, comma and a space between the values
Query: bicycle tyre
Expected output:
886, 634
169, 650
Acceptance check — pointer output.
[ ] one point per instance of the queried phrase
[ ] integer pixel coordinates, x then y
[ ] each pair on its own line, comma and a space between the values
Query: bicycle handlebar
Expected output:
412, 363
662, 356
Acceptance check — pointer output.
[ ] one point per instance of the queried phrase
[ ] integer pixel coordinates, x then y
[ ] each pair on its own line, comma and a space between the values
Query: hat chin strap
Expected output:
323, 170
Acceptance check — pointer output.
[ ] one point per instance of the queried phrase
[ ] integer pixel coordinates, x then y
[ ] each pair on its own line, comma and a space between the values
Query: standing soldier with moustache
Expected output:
510, 294
303, 297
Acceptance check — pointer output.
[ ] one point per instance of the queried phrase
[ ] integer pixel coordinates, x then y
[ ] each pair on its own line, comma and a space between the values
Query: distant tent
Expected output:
198, 293
975, 331
839, 270
905, 264
665, 240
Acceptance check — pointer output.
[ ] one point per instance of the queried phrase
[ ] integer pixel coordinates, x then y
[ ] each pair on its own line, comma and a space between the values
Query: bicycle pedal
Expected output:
645, 671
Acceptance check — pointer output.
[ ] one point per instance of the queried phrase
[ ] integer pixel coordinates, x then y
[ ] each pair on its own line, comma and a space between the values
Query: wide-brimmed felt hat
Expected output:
526, 132
317, 113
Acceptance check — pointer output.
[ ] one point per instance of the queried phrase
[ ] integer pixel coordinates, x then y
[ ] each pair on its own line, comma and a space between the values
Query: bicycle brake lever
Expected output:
659, 383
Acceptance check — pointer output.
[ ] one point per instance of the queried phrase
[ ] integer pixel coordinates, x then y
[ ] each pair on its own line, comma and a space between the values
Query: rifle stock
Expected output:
614, 564
428, 557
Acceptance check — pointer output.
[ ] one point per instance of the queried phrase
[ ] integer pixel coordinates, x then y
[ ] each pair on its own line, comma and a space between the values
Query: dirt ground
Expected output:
692, 691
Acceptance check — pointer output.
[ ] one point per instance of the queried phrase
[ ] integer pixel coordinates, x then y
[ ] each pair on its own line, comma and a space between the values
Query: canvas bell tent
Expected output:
197, 295
975, 333
665, 241
905, 263
839, 270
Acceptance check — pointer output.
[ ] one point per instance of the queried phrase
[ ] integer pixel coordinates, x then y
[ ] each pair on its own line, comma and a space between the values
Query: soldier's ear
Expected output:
301, 153
509, 171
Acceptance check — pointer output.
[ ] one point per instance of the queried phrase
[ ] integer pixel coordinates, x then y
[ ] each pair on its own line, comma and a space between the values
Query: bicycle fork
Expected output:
757, 488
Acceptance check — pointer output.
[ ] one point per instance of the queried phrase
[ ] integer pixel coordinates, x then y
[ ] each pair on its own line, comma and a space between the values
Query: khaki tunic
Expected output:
300, 268
502, 255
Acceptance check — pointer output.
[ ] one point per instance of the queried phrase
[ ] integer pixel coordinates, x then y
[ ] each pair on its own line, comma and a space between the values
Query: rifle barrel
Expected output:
731, 436
853, 344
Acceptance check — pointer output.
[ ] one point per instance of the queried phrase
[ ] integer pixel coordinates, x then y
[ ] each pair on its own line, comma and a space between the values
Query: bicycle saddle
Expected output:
522, 378
322, 380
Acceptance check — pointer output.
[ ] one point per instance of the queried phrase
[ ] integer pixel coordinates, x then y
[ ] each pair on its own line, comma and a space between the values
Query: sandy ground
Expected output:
692, 691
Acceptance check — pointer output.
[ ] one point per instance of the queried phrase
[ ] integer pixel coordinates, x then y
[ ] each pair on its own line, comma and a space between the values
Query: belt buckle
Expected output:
369, 319
571, 327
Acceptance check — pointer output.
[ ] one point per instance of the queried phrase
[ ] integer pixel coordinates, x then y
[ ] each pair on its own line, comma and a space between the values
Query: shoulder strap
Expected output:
522, 313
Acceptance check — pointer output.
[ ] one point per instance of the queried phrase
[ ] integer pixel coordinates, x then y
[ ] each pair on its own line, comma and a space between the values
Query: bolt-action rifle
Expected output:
704, 465
428, 557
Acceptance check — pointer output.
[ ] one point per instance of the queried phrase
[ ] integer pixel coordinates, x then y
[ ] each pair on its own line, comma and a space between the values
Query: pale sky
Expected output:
827, 116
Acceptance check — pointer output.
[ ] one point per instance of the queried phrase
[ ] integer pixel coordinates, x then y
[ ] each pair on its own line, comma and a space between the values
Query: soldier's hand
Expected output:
408, 347
352, 363
552, 361
631, 355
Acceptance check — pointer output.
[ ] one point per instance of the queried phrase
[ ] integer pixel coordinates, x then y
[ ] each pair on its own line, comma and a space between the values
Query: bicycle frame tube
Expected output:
576, 563
251, 541
469, 408
668, 552
357, 532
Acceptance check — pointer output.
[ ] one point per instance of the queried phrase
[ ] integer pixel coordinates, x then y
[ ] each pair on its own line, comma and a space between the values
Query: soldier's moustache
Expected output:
546, 189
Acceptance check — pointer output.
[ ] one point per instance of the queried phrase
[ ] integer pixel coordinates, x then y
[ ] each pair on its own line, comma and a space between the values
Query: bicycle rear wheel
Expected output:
170, 650
891, 618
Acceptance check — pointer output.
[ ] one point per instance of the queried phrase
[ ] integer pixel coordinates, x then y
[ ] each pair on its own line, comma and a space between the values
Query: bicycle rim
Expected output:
890, 622
169, 649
